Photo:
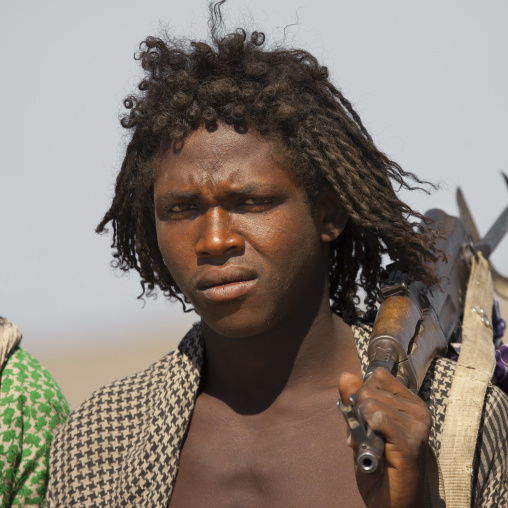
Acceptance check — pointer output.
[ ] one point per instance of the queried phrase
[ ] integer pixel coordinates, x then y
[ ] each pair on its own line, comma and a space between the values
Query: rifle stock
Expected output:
416, 322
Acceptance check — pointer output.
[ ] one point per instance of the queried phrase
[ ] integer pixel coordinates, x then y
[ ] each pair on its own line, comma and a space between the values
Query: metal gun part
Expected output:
369, 444
491, 239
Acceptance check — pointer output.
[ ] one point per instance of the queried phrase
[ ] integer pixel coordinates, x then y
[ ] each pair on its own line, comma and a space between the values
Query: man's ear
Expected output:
332, 216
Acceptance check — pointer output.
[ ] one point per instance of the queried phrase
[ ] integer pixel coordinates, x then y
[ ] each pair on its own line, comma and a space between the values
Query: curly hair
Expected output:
235, 79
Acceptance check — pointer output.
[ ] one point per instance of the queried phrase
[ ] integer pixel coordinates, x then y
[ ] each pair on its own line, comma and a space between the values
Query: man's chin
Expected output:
237, 325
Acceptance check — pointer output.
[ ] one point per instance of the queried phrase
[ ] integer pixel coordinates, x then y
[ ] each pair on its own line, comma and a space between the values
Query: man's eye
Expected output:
180, 208
255, 204
256, 201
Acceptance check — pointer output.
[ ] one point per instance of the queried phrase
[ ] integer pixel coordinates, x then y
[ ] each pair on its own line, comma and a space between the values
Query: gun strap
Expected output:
473, 374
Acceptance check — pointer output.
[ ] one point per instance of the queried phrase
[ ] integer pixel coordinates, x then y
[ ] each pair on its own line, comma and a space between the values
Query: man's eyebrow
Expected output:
251, 188
241, 190
172, 195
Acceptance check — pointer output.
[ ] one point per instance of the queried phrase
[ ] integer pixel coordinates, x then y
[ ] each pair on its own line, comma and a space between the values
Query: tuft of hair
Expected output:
235, 79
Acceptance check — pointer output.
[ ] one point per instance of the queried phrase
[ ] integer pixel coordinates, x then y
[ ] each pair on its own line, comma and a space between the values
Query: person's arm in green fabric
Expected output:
31, 408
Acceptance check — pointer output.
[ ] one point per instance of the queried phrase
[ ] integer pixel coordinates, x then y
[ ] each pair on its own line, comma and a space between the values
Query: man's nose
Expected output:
217, 235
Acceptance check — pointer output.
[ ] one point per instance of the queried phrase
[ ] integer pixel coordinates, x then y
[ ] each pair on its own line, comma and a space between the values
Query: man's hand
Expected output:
404, 421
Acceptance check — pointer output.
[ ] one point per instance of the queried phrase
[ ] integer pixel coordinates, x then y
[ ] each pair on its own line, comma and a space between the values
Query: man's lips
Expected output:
226, 283
220, 277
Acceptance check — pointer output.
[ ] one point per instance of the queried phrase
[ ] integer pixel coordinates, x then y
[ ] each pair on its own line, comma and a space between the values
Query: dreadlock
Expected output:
236, 80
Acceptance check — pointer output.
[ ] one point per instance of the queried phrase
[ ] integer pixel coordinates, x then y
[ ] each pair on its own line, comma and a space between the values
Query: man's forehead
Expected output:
223, 163
220, 143
235, 179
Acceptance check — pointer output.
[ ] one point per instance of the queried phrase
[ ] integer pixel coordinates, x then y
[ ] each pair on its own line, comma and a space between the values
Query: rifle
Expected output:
415, 323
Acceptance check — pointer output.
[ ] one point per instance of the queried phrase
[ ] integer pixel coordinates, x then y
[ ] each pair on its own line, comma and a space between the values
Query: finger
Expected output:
396, 403
381, 379
410, 426
383, 386
348, 384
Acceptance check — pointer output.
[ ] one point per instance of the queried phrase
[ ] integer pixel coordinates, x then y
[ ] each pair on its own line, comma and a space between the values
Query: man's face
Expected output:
237, 233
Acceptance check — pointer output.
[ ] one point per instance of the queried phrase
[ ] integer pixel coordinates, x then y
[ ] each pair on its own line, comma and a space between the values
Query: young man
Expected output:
251, 190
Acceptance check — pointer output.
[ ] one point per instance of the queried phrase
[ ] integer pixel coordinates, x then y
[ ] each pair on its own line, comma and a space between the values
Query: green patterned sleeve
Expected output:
31, 408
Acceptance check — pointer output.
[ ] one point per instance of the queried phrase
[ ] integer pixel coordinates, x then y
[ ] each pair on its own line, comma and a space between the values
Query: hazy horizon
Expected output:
426, 78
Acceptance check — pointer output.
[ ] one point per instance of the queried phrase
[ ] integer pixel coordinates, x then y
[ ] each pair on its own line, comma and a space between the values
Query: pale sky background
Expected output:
429, 79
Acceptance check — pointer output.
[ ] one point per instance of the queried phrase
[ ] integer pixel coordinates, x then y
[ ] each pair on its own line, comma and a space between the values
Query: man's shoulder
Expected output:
490, 463
98, 436
494, 426
127, 397
119, 428
436, 388
135, 390
491, 457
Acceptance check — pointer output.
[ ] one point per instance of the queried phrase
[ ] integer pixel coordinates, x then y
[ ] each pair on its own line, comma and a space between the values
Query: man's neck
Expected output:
300, 356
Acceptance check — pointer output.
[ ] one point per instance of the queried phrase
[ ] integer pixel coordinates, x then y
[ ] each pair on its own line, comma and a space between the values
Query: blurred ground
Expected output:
80, 372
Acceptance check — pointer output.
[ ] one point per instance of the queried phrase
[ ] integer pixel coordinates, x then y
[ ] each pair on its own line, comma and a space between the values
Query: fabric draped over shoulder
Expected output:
121, 448
31, 408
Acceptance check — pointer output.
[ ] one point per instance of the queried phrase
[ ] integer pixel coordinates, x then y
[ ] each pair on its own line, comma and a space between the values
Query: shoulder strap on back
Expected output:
473, 373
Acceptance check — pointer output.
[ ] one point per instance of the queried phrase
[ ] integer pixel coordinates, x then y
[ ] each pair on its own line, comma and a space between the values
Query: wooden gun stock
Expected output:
415, 323
405, 355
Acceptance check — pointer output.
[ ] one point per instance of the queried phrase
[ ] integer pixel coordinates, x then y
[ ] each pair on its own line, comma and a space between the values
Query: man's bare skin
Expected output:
253, 258
289, 452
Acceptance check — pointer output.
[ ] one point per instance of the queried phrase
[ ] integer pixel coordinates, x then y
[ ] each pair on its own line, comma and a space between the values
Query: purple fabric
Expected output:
498, 323
452, 354
501, 371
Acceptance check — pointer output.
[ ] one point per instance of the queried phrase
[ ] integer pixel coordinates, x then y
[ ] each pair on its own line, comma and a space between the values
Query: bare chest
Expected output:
285, 459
